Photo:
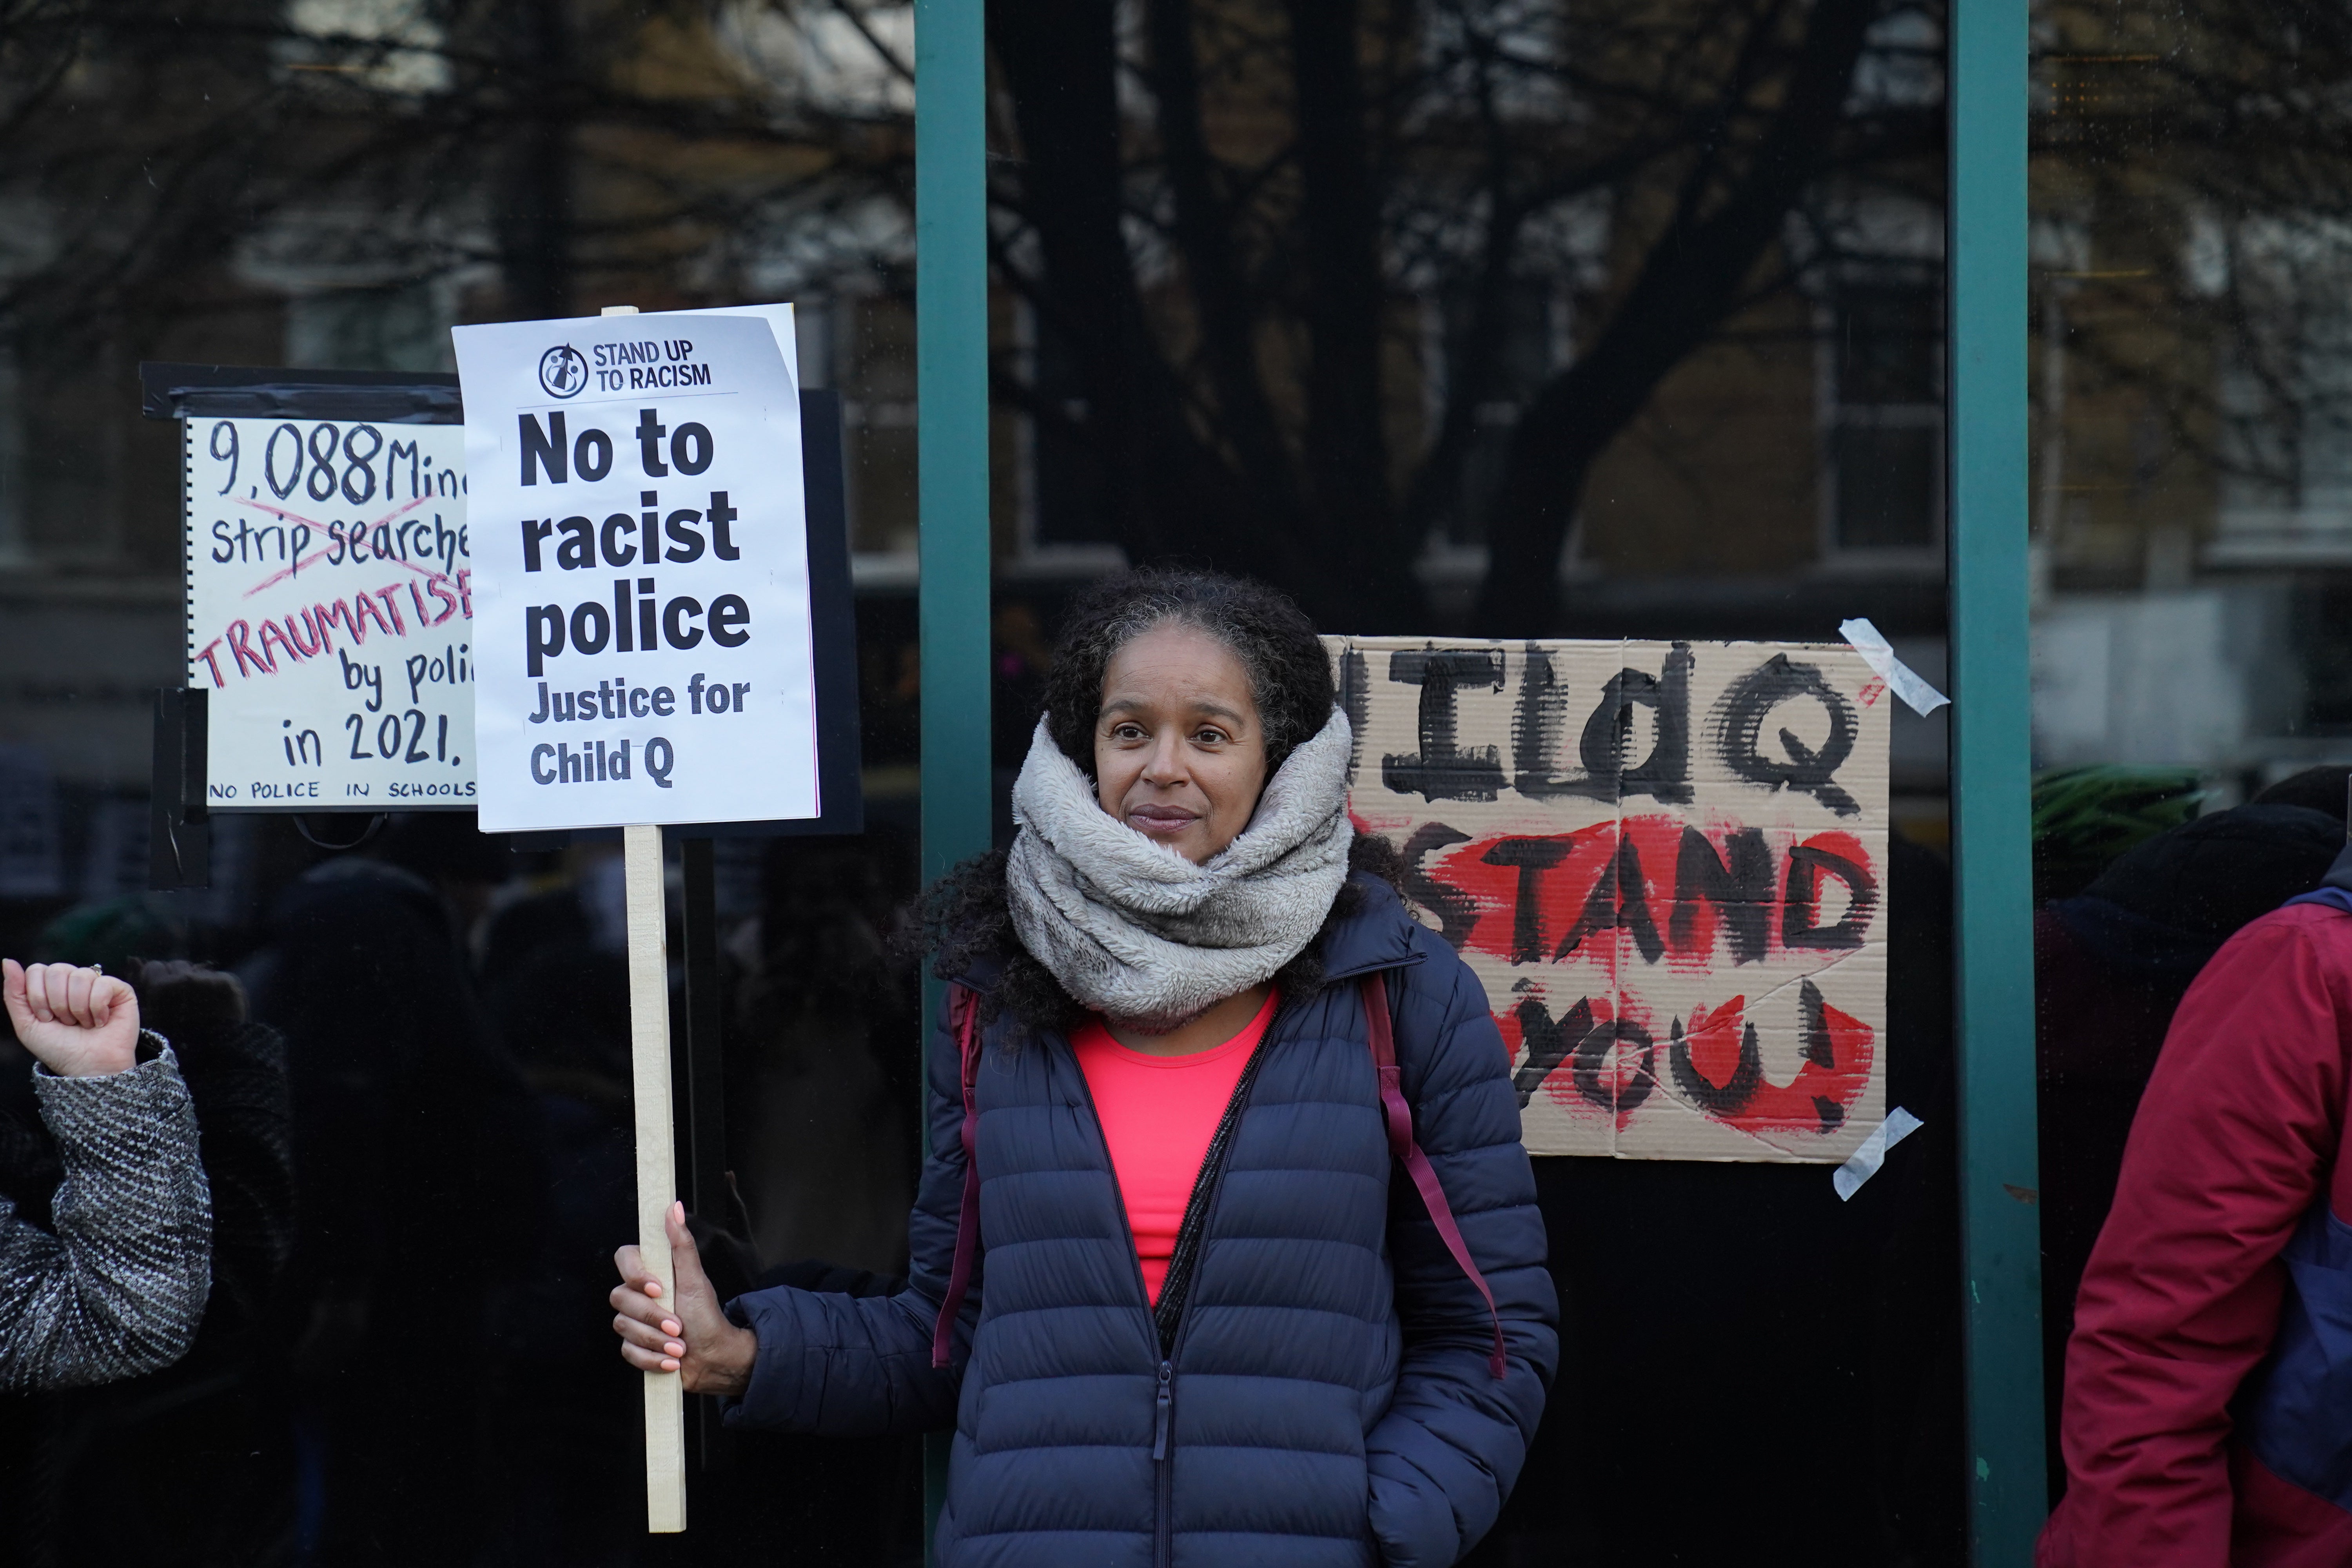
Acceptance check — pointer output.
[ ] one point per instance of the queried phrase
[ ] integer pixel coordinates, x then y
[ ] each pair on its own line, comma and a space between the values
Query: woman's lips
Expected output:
1162, 820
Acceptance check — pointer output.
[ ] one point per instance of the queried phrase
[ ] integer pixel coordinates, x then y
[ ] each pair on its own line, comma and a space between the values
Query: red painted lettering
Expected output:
240, 643
362, 609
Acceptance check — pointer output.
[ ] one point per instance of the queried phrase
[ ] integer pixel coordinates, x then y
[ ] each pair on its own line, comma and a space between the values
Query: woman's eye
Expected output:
1211, 737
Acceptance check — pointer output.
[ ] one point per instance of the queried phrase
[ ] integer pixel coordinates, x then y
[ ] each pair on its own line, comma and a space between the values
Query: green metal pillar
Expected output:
1992, 782
951, 393
951, 452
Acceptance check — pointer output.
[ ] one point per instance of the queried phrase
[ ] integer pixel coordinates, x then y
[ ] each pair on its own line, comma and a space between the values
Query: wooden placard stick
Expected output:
657, 1164
648, 924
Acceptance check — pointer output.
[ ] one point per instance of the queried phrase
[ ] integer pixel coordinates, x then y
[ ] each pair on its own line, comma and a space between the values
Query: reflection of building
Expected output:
370, 273
2190, 676
1785, 476
2194, 448
1782, 479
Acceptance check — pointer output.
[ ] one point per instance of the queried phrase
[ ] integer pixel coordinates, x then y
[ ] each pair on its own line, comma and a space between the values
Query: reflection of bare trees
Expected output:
1304, 283
522, 151
1222, 214
2193, 187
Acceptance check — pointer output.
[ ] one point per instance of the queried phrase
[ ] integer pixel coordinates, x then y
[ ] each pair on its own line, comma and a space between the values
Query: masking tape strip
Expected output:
1880, 654
1863, 1164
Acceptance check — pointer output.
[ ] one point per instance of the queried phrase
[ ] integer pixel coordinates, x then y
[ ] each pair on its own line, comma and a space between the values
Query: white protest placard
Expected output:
641, 572
330, 613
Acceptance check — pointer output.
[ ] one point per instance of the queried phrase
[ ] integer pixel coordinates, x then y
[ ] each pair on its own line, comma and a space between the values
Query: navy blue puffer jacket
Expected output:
1329, 1398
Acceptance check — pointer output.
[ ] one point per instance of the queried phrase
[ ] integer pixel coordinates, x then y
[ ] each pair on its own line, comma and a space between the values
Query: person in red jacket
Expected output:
2207, 1414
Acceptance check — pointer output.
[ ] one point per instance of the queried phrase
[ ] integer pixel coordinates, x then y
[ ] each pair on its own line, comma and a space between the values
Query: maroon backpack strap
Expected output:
964, 1011
1408, 1151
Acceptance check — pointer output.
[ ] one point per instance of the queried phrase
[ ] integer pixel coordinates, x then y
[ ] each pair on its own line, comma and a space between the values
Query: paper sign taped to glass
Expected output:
330, 613
1665, 863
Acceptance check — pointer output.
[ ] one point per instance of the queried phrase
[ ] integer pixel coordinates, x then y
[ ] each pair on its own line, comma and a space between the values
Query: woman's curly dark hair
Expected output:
1289, 673
966, 922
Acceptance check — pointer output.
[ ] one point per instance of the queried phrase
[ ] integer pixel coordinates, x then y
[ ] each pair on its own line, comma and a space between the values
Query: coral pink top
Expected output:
1157, 1115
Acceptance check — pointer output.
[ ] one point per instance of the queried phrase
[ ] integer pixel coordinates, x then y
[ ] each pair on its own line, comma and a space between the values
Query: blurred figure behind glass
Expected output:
411, 1128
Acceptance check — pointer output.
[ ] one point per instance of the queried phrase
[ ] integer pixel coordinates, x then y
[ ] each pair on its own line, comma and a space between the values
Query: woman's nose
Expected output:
1166, 764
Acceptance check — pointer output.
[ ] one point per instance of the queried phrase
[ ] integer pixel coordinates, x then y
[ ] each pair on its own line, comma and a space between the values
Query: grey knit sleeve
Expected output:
119, 1288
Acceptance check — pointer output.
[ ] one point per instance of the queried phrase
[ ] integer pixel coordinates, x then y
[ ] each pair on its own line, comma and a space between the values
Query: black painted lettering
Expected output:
1533, 857
1820, 1049
1731, 1096
1440, 770
1739, 719
1548, 1041
1457, 912
1801, 904
1664, 773
1619, 900
1739, 883
1592, 1070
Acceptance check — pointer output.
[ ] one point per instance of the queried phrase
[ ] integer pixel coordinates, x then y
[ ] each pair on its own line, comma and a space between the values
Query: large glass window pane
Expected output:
1573, 319
2191, 535
1453, 318
420, 1140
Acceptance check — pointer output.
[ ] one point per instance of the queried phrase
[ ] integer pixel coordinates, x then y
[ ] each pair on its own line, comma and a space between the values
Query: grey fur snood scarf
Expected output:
1133, 929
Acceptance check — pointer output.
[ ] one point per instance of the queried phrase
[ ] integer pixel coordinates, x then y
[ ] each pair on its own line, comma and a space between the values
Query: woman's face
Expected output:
1180, 755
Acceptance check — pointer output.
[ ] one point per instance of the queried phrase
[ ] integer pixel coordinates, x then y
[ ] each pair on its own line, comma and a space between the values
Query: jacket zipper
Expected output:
1163, 1536
1183, 1261
1159, 1426
1203, 1200
1164, 1398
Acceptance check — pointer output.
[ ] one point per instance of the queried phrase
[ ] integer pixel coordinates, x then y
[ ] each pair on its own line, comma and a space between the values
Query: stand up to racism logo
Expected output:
562, 372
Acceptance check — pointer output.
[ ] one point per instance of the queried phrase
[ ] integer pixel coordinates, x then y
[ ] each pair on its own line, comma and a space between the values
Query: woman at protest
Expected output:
120, 1288
1195, 1279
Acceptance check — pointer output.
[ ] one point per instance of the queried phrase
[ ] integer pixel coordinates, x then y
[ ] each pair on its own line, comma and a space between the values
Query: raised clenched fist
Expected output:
80, 1022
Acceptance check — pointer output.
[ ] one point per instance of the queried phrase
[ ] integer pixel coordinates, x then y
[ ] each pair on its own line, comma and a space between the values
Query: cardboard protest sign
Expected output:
642, 580
330, 613
1665, 863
